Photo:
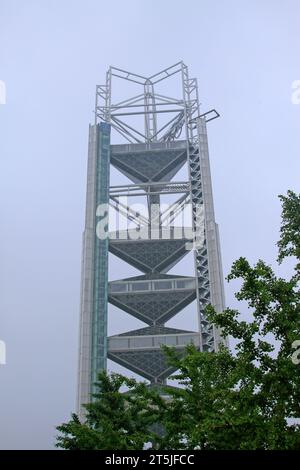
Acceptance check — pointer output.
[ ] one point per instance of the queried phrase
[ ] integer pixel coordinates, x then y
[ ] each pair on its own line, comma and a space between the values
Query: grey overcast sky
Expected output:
52, 53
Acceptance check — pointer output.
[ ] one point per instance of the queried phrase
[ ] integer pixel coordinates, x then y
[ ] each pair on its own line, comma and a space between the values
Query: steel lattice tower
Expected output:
150, 159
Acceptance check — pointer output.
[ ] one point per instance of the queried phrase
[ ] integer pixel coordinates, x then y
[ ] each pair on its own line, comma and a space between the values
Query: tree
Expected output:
114, 419
246, 399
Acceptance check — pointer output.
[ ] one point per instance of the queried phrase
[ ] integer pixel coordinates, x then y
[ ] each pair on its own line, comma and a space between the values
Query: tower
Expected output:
159, 136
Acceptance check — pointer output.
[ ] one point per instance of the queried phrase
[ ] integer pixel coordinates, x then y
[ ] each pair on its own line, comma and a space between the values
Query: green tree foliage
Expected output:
246, 399
114, 420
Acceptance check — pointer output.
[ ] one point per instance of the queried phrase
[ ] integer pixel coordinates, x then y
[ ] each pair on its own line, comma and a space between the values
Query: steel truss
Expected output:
152, 104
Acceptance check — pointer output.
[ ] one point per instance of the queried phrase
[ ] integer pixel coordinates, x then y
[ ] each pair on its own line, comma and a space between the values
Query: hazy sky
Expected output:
52, 53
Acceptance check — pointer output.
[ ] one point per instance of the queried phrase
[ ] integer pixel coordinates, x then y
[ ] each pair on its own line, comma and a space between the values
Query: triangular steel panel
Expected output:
149, 364
150, 255
153, 307
149, 165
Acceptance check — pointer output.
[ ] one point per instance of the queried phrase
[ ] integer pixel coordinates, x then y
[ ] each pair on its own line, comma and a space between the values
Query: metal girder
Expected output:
126, 210
153, 331
163, 187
